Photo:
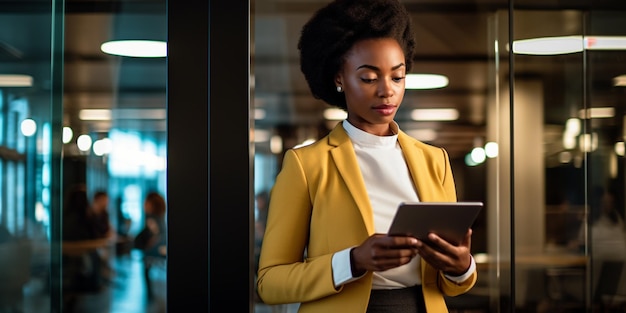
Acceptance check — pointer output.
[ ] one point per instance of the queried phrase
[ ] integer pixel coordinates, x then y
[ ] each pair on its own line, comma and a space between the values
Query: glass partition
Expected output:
496, 267
114, 156
75, 122
29, 116
568, 99
548, 177
603, 141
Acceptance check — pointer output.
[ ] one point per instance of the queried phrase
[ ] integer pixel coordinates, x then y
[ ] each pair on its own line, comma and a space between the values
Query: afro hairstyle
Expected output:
334, 29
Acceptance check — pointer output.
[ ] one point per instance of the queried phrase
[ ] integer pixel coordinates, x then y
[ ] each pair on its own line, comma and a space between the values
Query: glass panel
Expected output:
27, 118
496, 264
606, 49
114, 164
569, 185
467, 42
548, 173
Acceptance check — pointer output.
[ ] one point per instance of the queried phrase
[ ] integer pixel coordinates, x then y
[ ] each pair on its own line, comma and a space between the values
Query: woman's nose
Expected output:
385, 89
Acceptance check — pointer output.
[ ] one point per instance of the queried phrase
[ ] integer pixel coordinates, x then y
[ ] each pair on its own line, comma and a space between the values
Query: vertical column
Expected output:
529, 168
188, 156
209, 161
231, 192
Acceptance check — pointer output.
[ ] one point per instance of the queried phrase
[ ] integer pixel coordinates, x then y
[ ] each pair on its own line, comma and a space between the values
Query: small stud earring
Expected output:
339, 89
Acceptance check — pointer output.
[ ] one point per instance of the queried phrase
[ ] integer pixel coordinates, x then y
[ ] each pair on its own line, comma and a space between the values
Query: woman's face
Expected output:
373, 77
147, 207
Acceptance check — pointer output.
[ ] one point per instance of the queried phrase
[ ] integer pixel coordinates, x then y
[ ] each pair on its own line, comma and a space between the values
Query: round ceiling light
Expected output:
549, 45
136, 48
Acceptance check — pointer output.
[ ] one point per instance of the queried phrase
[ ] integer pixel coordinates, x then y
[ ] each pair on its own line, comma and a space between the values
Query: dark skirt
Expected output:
405, 300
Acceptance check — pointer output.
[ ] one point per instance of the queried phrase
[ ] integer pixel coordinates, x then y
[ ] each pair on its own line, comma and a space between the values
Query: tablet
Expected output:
449, 220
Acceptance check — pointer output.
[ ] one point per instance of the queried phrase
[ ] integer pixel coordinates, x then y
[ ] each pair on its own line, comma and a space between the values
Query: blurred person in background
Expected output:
152, 239
100, 211
102, 228
82, 263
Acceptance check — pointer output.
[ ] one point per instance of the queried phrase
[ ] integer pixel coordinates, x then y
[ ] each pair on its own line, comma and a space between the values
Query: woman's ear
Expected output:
338, 81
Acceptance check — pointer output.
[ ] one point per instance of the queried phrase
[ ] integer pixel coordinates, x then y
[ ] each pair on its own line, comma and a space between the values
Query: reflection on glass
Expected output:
30, 186
582, 130
25, 157
115, 106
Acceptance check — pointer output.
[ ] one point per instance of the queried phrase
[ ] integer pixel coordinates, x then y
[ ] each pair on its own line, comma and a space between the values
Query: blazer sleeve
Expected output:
285, 275
451, 288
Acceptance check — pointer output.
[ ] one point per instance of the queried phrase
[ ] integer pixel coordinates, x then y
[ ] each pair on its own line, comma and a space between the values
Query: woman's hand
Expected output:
444, 256
381, 252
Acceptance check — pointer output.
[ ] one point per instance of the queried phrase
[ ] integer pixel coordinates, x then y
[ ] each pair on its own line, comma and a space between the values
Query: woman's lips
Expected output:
385, 109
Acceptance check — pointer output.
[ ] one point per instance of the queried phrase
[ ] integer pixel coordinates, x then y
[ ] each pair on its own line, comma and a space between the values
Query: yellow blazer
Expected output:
319, 206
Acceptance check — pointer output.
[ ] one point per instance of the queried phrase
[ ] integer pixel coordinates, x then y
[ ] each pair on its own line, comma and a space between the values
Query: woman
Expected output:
325, 244
152, 239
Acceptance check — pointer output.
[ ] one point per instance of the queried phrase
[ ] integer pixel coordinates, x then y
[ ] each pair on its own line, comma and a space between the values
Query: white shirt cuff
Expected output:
342, 272
464, 277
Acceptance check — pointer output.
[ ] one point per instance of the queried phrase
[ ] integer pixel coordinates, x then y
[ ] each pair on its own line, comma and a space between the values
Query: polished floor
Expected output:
125, 293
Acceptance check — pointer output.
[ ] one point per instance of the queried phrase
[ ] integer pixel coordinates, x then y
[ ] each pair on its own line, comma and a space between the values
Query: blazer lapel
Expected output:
414, 157
345, 158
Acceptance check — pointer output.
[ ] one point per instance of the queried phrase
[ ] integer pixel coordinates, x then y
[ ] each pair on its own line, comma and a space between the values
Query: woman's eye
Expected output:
398, 79
368, 80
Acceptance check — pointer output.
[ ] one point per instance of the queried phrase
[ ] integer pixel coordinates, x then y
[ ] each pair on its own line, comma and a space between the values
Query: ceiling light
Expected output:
425, 81
83, 142
567, 44
28, 127
68, 133
588, 142
597, 113
9, 80
491, 149
619, 148
139, 114
478, 155
102, 146
569, 141
619, 81
94, 115
469, 161
605, 43
549, 45
136, 48
434, 114
572, 126
122, 114
335, 114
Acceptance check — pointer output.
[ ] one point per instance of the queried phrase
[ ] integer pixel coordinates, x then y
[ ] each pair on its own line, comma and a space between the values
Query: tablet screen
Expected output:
449, 220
